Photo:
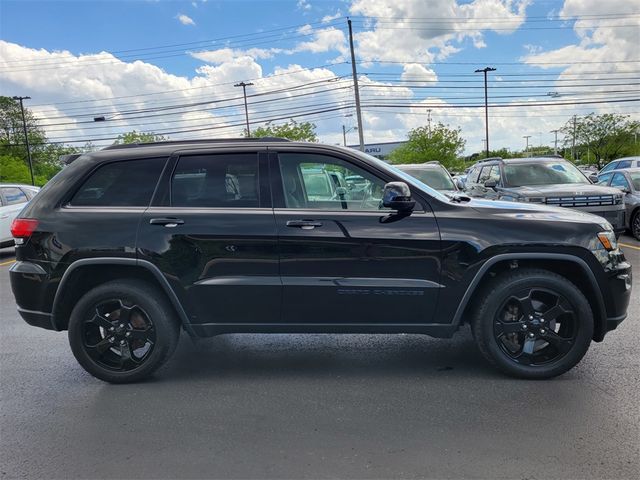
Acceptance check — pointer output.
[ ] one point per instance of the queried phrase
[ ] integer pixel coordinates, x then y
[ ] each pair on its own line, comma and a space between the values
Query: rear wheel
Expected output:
533, 324
122, 331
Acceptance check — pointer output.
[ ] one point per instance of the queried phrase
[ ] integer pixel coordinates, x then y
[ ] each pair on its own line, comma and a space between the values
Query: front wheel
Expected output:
635, 225
122, 331
533, 324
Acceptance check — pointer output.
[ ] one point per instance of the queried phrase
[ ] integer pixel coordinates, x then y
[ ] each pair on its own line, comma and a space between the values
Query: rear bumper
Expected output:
30, 285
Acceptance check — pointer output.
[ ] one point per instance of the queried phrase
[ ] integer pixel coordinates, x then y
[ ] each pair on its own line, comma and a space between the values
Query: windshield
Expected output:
635, 179
542, 173
434, 177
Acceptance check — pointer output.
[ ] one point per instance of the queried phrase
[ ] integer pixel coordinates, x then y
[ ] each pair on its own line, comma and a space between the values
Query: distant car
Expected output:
13, 197
552, 181
628, 181
432, 174
620, 163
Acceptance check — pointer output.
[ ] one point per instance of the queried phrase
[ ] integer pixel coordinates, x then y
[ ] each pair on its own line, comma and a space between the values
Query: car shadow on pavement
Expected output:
7, 253
294, 355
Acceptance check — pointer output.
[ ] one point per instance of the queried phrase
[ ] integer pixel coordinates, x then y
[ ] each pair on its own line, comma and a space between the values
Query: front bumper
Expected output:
619, 287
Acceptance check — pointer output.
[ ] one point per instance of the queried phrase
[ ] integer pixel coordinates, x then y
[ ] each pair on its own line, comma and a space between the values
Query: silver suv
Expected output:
548, 180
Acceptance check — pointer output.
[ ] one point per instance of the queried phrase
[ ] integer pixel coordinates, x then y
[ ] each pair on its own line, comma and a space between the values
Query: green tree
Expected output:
601, 138
439, 143
292, 130
13, 150
138, 137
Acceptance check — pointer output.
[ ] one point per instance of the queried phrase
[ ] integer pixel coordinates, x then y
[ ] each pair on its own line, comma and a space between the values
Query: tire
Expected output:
511, 330
122, 331
635, 225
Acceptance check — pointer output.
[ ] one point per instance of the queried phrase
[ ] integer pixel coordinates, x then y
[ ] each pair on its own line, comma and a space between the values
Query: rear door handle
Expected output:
304, 224
167, 222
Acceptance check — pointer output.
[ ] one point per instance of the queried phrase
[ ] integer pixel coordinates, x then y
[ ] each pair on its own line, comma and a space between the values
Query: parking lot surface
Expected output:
290, 406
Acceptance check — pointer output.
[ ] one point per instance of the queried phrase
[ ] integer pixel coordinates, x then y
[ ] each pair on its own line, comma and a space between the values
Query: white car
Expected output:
13, 198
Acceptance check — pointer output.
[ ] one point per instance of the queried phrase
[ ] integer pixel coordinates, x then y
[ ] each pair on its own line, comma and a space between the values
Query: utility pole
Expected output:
429, 120
246, 110
526, 148
555, 142
573, 144
344, 136
26, 136
486, 105
354, 73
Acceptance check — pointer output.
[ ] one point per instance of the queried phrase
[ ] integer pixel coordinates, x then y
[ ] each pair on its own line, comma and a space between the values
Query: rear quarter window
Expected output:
127, 183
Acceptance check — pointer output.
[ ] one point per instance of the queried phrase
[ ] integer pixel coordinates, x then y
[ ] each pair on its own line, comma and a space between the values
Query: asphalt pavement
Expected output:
317, 406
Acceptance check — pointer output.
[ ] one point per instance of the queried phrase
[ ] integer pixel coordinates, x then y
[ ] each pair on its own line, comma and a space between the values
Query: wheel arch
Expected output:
85, 274
571, 267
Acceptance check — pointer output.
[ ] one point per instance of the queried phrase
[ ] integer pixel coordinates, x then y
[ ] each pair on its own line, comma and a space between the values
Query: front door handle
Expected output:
304, 224
167, 222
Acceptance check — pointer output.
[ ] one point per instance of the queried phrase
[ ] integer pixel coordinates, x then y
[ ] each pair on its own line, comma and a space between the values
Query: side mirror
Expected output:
490, 184
593, 177
397, 196
459, 183
624, 189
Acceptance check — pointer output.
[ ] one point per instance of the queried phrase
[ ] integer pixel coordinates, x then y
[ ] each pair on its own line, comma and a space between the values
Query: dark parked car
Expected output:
551, 181
628, 181
128, 246
432, 174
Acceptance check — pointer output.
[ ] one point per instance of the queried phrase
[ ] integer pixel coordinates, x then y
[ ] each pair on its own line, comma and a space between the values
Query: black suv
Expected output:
128, 246
548, 180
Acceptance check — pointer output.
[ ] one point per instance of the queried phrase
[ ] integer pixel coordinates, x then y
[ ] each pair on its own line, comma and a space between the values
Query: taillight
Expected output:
23, 227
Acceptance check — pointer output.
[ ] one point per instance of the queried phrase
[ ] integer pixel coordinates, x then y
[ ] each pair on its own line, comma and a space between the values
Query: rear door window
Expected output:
216, 181
128, 183
624, 164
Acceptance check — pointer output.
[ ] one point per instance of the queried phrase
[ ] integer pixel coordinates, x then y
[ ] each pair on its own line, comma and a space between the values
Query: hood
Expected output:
565, 190
535, 211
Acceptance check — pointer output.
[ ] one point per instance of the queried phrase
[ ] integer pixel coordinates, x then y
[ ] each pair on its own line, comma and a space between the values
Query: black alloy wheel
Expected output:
532, 323
122, 331
119, 336
535, 326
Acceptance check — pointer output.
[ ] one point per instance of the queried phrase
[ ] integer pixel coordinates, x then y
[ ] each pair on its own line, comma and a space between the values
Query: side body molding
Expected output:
155, 271
600, 314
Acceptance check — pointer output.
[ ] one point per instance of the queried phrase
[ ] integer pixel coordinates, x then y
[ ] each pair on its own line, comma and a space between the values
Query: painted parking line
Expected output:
8, 262
622, 245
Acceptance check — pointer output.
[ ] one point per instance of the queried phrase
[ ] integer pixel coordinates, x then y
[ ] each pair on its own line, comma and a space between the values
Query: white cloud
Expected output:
324, 40
397, 35
223, 55
329, 18
303, 5
185, 19
414, 72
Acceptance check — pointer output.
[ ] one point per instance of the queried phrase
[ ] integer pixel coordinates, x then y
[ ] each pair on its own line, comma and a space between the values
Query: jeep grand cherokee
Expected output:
128, 246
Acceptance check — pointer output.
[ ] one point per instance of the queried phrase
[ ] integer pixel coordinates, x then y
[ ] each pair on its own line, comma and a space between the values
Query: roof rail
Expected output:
67, 159
198, 142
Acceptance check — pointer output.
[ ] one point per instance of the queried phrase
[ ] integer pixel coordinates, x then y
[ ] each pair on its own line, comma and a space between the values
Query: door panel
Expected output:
357, 266
215, 241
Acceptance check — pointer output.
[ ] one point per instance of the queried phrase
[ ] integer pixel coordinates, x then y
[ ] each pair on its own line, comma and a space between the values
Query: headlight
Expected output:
608, 240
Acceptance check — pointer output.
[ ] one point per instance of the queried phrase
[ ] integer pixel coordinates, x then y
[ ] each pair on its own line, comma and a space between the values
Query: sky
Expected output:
170, 66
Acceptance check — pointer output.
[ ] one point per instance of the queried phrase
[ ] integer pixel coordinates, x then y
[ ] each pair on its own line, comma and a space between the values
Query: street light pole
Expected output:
555, 142
246, 110
526, 148
486, 106
356, 90
26, 136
